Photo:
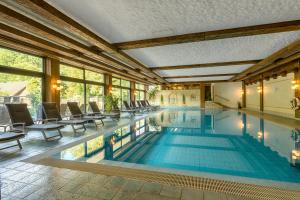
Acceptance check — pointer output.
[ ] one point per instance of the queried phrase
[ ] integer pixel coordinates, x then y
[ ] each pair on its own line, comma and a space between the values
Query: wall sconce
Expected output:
295, 158
259, 89
109, 90
135, 93
56, 85
259, 135
295, 84
241, 125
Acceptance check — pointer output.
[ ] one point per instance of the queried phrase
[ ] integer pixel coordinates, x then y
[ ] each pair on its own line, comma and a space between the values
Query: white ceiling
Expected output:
120, 21
125, 20
204, 70
233, 49
199, 79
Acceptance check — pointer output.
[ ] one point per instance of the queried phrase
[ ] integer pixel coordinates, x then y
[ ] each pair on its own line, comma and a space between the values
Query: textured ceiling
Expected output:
199, 79
120, 21
125, 20
204, 70
241, 48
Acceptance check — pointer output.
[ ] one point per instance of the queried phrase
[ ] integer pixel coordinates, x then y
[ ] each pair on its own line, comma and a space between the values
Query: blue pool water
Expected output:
214, 141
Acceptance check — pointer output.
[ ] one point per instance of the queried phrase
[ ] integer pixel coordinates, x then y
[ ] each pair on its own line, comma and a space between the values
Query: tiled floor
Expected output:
30, 181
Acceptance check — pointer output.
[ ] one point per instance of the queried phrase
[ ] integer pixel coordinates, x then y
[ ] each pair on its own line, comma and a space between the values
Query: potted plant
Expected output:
152, 93
111, 103
161, 99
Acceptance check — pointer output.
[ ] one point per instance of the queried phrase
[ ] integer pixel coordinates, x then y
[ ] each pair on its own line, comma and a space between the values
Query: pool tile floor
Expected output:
28, 181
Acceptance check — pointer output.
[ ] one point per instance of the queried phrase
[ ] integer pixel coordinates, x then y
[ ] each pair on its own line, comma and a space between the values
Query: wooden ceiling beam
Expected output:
25, 37
22, 22
212, 35
50, 13
9, 42
292, 48
202, 65
200, 76
286, 62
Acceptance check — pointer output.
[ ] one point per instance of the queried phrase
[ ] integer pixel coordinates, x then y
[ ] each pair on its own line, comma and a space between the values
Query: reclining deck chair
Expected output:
144, 109
96, 111
154, 107
129, 109
52, 114
77, 113
9, 136
20, 117
135, 107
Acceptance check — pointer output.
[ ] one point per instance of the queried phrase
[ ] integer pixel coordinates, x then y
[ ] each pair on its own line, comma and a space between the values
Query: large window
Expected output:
140, 91
71, 92
23, 84
15, 59
95, 93
121, 89
70, 72
79, 83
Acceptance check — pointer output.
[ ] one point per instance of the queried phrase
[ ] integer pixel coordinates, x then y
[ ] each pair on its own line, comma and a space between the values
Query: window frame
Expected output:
25, 72
83, 81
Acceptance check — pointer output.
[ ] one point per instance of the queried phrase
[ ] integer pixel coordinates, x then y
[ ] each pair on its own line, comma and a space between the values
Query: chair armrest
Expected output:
51, 120
76, 116
89, 114
12, 126
94, 113
4, 126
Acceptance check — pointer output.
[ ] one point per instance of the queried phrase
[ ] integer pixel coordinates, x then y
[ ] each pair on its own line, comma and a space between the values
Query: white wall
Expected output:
277, 95
228, 94
252, 97
175, 97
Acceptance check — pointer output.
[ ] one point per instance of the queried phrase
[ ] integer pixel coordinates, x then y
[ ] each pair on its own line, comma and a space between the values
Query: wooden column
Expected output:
261, 95
243, 94
51, 77
132, 91
202, 95
297, 90
107, 84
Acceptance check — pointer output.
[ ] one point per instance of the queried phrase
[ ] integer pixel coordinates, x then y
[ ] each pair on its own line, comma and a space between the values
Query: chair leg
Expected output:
44, 134
102, 122
19, 144
47, 138
59, 132
74, 130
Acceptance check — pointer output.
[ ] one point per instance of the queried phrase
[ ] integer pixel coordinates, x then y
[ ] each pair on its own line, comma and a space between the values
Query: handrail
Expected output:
222, 97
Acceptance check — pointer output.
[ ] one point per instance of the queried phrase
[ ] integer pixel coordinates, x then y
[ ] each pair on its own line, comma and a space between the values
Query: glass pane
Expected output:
16, 59
142, 87
94, 76
71, 72
19, 89
125, 83
71, 91
141, 95
95, 93
116, 81
125, 96
137, 86
117, 93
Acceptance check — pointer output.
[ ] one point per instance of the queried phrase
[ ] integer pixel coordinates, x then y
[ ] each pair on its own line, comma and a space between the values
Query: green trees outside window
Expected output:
19, 88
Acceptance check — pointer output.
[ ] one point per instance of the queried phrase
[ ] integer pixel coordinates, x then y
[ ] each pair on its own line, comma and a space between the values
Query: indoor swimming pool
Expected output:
219, 142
